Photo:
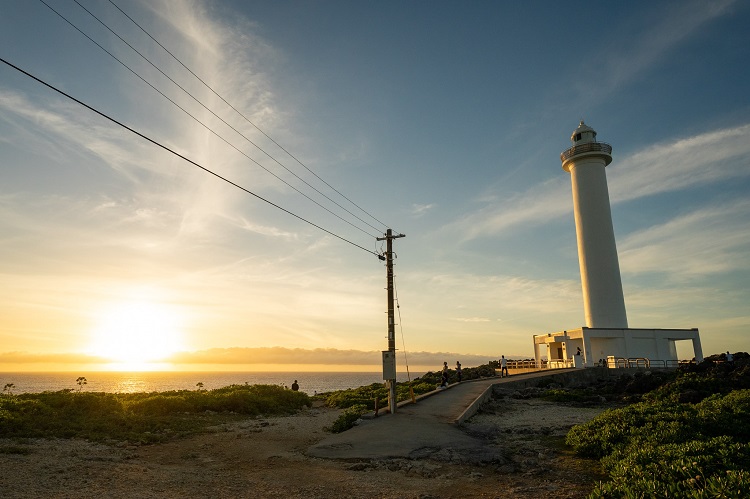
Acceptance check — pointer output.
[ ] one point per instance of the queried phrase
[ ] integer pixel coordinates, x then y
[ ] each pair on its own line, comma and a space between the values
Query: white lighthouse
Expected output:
606, 338
603, 302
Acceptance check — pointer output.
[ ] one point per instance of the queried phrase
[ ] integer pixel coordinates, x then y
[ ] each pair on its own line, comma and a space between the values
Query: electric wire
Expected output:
185, 158
209, 129
401, 328
216, 115
245, 117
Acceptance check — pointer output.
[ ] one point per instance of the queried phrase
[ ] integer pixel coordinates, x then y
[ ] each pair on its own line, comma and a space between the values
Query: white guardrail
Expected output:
610, 362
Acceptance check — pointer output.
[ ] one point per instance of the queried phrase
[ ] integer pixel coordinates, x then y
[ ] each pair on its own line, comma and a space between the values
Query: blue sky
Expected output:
444, 120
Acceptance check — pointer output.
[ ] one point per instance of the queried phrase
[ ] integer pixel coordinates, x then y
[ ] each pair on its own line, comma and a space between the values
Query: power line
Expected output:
212, 112
162, 146
209, 129
246, 118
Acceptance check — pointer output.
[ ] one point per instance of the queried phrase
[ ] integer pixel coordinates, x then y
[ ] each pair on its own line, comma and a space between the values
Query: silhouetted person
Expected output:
295, 386
444, 377
458, 370
503, 366
730, 358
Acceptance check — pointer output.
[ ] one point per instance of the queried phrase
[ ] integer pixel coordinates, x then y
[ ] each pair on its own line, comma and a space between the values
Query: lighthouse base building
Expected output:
613, 347
606, 339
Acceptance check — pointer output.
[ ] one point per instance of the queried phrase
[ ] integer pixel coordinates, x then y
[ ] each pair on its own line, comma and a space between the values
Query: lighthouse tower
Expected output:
603, 302
606, 338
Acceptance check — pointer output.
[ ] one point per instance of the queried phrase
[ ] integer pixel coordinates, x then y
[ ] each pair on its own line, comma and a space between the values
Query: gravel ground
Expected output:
266, 458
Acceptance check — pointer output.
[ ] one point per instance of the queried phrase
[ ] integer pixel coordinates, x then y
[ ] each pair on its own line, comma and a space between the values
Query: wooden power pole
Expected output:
389, 356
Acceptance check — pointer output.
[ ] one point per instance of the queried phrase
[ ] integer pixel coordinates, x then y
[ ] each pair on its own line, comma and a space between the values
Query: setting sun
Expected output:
135, 334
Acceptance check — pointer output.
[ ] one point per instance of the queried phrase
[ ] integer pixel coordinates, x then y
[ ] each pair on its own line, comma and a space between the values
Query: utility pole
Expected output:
389, 356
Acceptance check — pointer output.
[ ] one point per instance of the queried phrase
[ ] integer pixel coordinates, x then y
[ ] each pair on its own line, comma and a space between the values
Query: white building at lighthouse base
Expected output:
612, 347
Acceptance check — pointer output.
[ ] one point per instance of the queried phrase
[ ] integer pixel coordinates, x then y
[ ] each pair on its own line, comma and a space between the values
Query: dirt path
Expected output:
266, 458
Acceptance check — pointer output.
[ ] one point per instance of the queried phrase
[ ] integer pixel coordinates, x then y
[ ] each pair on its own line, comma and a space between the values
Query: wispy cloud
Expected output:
60, 129
681, 164
419, 210
266, 230
537, 205
483, 300
706, 241
471, 319
628, 56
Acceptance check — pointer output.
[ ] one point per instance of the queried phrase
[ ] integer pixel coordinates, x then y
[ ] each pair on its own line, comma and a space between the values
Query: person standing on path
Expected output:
503, 366
458, 370
444, 377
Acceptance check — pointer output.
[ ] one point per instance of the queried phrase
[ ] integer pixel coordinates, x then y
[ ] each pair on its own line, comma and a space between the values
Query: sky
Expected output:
442, 120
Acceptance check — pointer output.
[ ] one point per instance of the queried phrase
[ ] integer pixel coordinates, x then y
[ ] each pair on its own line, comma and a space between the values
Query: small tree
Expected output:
9, 388
81, 381
199, 385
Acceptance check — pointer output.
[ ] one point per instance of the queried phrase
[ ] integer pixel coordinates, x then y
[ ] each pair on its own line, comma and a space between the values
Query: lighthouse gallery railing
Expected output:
589, 147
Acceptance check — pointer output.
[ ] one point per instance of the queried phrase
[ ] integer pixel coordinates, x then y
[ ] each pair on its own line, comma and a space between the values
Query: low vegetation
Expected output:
139, 417
688, 435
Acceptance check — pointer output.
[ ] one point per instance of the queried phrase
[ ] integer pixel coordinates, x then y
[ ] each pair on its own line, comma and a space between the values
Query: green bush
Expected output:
142, 417
689, 437
160, 405
348, 418
687, 469
366, 395
362, 396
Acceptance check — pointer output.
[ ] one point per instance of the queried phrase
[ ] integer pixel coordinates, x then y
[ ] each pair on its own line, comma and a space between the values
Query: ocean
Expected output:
153, 381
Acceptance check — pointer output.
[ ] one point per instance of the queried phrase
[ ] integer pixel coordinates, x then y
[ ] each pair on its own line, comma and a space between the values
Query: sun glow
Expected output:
136, 335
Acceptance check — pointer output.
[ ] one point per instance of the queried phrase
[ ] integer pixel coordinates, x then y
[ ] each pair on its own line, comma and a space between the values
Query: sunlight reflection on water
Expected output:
131, 382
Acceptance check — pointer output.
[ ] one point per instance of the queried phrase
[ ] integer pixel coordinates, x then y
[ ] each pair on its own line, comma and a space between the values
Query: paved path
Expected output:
424, 429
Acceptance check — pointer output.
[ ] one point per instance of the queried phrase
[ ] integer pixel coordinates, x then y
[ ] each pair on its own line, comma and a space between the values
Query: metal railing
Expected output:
588, 147
521, 364
644, 363
612, 363
560, 363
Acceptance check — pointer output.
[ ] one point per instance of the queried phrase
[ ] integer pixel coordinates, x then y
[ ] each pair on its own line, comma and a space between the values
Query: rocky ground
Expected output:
266, 458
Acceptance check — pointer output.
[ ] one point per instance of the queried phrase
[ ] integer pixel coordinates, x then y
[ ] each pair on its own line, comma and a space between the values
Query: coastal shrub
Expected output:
688, 469
616, 427
726, 414
420, 387
348, 418
60, 414
694, 382
689, 437
467, 373
140, 417
362, 396
256, 400
160, 405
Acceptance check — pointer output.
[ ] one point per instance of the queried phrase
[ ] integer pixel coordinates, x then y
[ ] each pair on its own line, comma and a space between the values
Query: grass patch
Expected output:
139, 417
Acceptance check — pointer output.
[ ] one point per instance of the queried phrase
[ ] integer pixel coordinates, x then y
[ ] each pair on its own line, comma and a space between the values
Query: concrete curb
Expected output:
475, 406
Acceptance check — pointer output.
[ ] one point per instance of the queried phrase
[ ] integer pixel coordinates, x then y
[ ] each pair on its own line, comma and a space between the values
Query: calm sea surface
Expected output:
123, 382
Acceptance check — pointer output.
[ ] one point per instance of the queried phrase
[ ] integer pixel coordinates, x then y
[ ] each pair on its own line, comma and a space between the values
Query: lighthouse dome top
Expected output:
585, 147
583, 134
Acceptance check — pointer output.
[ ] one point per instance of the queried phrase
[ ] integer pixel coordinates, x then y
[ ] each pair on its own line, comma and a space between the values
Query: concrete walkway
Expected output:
429, 428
